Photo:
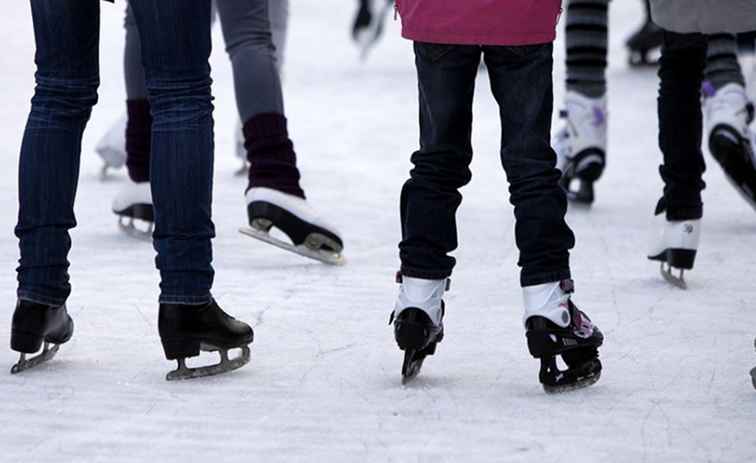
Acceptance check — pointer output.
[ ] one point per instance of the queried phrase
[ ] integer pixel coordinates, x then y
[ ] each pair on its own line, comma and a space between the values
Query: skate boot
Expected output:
310, 235
133, 206
645, 40
241, 152
581, 145
674, 244
731, 141
112, 147
187, 329
367, 28
555, 327
418, 321
37, 325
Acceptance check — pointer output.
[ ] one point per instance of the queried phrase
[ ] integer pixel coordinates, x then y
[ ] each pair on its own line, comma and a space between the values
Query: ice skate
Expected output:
112, 147
38, 326
418, 321
753, 372
674, 244
185, 330
241, 152
731, 141
645, 40
133, 206
581, 146
309, 235
368, 27
555, 327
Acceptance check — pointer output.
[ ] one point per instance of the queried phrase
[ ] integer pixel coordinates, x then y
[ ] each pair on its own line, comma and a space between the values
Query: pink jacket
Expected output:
480, 22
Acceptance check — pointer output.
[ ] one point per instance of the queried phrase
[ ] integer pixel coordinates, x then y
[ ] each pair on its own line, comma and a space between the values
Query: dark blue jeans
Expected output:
521, 81
176, 46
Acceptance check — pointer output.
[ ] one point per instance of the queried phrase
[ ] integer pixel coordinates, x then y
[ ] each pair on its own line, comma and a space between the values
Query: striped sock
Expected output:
586, 37
722, 66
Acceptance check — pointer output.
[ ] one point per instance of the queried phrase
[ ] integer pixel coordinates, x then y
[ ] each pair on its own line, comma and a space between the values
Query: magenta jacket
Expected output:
480, 22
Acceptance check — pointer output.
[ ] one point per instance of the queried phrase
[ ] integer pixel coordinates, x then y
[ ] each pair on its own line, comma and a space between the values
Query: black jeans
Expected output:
681, 125
521, 81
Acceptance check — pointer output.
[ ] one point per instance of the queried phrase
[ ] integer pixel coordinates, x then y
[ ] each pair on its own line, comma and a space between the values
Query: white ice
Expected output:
324, 382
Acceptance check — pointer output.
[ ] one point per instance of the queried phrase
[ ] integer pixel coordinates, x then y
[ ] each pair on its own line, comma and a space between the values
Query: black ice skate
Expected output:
309, 235
645, 40
418, 321
574, 338
674, 244
731, 141
367, 28
133, 206
38, 326
187, 329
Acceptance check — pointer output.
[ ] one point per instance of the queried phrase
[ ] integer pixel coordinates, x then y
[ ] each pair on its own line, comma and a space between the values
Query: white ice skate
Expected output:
581, 145
418, 321
133, 206
112, 146
728, 115
674, 244
309, 235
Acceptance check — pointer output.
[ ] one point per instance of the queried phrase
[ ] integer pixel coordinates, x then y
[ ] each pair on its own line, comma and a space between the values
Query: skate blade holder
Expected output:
312, 247
128, 225
25, 364
550, 366
677, 281
226, 364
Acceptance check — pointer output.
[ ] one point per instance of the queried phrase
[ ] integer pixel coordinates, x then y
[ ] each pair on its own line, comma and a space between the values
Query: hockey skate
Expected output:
581, 146
674, 244
555, 327
418, 321
112, 147
310, 236
645, 40
368, 27
185, 330
133, 206
38, 326
731, 141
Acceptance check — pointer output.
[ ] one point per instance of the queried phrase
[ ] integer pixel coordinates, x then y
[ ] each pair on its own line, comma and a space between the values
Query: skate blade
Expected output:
666, 273
411, 366
226, 365
25, 364
581, 384
326, 257
128, 226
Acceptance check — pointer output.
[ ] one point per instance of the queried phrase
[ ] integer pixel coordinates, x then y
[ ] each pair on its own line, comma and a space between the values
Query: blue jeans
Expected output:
176, 47
521, 82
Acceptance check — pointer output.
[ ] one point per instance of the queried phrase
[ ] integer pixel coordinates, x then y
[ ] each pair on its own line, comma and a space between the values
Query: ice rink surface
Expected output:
324, 382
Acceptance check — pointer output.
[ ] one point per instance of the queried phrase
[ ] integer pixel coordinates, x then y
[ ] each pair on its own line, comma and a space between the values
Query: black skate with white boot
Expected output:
580, 146
133, 206
185, 330
556, 327
674, 244
309, 235
418, 321
731, 141
36, 326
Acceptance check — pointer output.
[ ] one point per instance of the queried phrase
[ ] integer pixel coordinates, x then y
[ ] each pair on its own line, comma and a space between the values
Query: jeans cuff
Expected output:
425, 274
185, 300
544, 277
37, 298
684, 213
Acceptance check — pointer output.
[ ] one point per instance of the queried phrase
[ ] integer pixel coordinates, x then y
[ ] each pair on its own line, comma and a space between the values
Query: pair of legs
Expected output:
176, 38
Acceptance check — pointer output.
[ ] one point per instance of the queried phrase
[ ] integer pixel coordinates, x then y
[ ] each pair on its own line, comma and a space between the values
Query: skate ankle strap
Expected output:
399, 278
567, 285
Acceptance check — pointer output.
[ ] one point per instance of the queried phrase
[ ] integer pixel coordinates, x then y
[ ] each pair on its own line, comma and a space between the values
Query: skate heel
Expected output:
412, 330
27, 343
179, 348
540, 343
681, 258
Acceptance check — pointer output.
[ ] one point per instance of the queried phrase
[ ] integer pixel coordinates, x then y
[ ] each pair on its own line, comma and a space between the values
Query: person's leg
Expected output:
722, 65
67, 37
175, 37
139, 125
270, 151
681, 125
521, 78
430, 198
586, 39
278, 12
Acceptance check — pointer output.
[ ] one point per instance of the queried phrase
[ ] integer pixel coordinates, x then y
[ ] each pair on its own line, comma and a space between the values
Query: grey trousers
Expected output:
255, 36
